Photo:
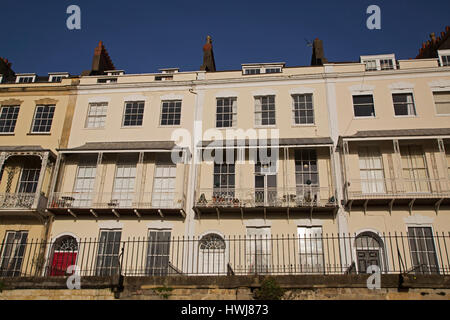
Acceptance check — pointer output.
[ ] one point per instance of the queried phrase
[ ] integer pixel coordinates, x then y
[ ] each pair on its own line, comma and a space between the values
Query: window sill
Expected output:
131, 127
7, 133
304, 125
364, 118
38, 133
170, 126
265, 126
412, 116
97, 128
442, 115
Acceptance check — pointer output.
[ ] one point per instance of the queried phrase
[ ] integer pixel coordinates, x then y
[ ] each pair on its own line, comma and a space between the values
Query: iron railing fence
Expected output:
21, 200
162, 255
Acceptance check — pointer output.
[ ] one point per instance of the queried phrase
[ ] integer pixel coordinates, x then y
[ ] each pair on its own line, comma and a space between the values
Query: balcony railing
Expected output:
21, 200
393, 253
398, 188
301, 196
117, 200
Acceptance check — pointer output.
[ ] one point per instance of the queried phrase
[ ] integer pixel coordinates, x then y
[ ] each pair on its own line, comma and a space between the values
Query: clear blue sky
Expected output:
144, 35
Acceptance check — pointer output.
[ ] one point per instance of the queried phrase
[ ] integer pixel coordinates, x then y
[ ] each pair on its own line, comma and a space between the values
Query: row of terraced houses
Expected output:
167, 173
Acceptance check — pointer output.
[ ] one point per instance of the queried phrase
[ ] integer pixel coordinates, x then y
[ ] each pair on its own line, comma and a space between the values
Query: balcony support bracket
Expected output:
410, 205
72, 213
160, 213
437, 205
137, 213
311, 213
242, 214
365, 206
183, 213
94, 213
349, 206
287, 213
116, 213
218, 213
265, 214
391, 204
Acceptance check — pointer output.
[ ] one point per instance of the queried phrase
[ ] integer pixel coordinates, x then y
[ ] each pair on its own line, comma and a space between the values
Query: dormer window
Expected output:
163, 77
57, 77
261, 68
115, 72
379, 62
444, 58
169, 70
25, 78
106, 80
252, 71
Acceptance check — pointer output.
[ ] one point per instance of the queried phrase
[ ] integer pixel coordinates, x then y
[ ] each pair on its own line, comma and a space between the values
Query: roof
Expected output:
401, 133
125, 145
32, 148
281, 142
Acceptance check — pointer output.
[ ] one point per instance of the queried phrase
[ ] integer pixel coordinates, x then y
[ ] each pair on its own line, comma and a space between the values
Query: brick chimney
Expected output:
318, 56
208, 56
5, 69
429, 49
101, 61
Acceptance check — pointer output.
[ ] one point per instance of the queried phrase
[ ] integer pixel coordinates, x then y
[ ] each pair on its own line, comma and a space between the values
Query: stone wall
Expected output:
312, 287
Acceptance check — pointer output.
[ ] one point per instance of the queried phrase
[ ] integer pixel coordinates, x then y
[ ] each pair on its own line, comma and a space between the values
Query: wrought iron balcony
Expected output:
117, 202
301, 196
398, 188
22, 201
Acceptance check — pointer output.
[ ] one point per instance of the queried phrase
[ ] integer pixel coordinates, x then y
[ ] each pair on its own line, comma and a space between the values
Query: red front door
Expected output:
61, 261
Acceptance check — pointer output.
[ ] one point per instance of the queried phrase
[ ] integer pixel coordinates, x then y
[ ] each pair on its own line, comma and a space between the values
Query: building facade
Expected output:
266, 169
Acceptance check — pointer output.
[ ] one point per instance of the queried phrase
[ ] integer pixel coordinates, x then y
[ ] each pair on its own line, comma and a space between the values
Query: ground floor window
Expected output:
13, 252
108, 252
311, 249
423, 251
258, 249
158, 252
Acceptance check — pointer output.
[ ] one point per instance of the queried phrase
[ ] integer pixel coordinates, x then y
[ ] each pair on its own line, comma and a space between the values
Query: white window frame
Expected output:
308, 250
15, 123
124, 112
413, 102
52, 76
434, 101
83, 196
293, 110
164, 197
233, 105
25, 75
175, 101
362, 93
444, 53
124, 196
378, 59
96, 116
262, 67
260, 125
34, 118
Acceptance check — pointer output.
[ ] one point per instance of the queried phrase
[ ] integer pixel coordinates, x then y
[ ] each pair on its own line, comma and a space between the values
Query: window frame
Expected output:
124, 114
373, 104
175, 101
255, 112
34, 119
442, 54
294, 110
99, 270
413, 103
96, 116
233, 106
23, 76
16, 107
447, 91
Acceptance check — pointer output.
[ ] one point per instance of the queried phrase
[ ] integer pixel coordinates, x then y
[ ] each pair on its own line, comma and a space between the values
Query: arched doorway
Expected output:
211, 254
64, 254
369, 251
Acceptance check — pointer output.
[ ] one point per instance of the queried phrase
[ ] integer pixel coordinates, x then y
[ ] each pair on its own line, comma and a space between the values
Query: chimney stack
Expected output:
318, 56
5, 69
101, 61
208, 56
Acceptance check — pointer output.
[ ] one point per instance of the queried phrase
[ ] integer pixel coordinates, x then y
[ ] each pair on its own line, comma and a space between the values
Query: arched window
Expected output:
65, 251
212, 254
369, 251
